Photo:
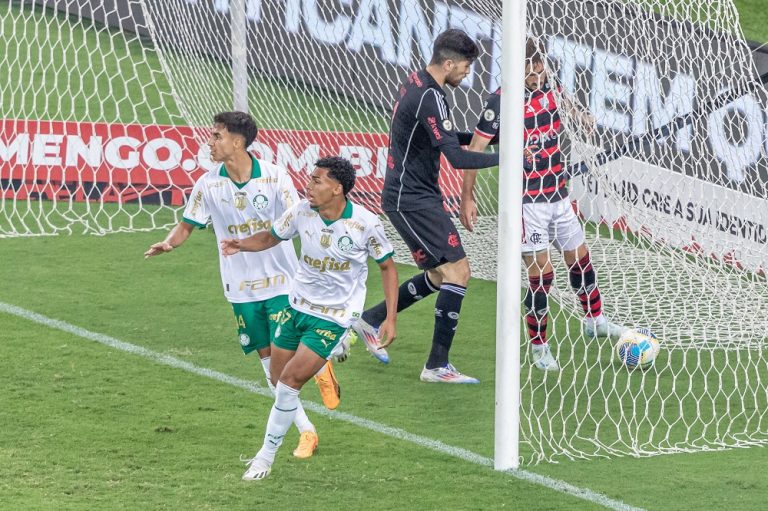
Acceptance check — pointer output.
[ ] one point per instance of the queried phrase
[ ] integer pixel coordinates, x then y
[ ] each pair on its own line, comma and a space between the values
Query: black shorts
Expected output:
430, 235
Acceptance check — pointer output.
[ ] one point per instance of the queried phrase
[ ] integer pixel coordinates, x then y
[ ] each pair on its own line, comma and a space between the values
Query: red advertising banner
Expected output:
159, 164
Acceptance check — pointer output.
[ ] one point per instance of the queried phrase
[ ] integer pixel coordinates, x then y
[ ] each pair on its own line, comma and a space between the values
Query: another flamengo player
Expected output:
548, 217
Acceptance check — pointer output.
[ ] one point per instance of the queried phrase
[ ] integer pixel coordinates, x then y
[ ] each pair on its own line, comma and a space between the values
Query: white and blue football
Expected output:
637, 347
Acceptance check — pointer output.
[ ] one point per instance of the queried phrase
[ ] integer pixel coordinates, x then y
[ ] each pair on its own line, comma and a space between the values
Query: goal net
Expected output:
105, 119
88, 142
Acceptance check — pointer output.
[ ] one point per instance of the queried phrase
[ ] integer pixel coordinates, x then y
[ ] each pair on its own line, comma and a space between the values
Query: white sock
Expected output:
280, 419
265, 365
302, 421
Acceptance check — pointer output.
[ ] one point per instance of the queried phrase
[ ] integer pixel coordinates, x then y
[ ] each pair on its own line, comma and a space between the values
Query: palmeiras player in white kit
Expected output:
241, 197
328, 293
548, 217
422, 131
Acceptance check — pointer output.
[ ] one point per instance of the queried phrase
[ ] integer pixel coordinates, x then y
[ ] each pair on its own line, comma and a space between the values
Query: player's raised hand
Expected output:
588, 123
529, 153
468, 213
157, 249
230, 246
387, 332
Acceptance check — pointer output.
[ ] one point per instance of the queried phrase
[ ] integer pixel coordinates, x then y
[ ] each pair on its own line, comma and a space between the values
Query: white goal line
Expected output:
421, 441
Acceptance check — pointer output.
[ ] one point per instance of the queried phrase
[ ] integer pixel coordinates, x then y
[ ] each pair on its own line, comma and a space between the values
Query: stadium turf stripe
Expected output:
421, 441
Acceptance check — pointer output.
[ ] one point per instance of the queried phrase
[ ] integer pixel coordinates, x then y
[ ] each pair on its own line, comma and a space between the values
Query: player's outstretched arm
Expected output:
176, 237
461, 159
582, 116
468, 208
256, 243
439, 127
388, 329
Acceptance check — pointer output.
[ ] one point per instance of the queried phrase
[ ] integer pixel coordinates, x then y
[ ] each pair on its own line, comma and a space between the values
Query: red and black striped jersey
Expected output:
543, 175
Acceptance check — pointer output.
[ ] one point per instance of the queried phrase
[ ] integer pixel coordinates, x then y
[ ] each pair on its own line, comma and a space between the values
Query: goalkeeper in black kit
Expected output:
548, 217
421, 131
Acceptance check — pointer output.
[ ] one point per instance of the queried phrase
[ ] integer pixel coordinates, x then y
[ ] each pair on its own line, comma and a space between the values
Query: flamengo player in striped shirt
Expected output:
548, 216
242, 196
328, 293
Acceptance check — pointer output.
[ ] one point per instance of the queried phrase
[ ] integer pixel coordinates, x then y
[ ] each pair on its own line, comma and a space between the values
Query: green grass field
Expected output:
88, 425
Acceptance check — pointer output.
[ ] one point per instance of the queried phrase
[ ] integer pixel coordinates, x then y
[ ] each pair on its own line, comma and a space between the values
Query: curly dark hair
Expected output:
240, 123
534, 51
339, 169
454, 44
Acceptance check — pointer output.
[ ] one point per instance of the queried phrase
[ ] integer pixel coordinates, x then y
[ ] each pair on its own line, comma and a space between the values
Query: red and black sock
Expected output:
584, 282
537, 307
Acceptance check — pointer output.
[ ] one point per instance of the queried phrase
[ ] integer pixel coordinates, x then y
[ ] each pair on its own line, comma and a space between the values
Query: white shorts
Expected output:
555, 223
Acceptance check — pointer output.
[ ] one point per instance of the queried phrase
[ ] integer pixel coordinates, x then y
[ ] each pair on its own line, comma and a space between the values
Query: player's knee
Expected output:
574, 257
463, 272
290, 380
455, 273
435, 278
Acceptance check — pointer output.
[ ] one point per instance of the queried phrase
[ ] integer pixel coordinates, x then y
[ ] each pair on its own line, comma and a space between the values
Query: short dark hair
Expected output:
240, 123
454, 44
339, 169
534, 52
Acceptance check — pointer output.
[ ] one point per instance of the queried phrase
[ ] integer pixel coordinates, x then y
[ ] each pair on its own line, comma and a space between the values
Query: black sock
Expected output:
410, 292
447, 308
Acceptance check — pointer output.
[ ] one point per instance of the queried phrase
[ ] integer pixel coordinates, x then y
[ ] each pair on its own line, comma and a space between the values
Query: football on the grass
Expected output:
637, 347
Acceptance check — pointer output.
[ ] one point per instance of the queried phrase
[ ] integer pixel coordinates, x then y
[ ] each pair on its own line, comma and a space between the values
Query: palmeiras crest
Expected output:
260, 201
345, 243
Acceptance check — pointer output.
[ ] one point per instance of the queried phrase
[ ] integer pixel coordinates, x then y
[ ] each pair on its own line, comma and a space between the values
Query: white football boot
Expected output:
258, 469
370, 337
601, 327
542, 357
447, 374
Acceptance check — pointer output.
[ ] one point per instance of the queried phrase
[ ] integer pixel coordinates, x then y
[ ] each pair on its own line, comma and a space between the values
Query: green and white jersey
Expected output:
238, 210
330, 282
